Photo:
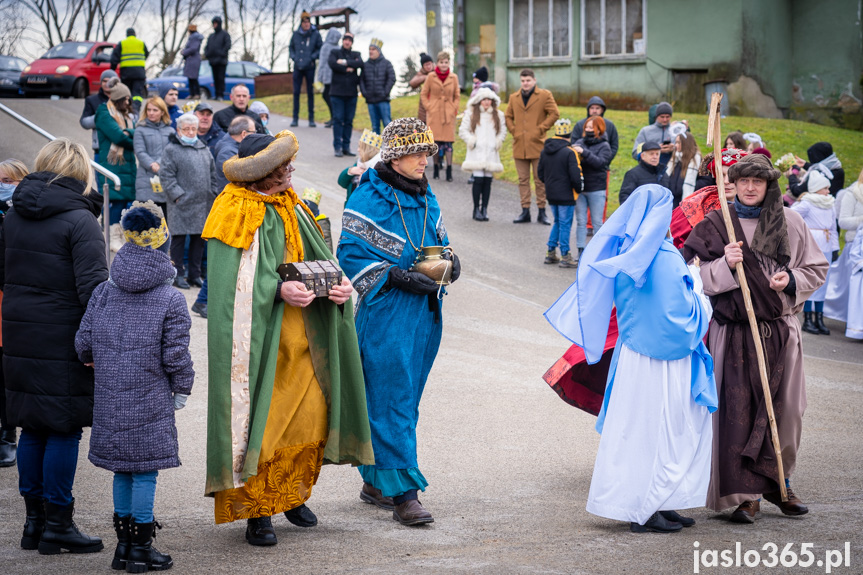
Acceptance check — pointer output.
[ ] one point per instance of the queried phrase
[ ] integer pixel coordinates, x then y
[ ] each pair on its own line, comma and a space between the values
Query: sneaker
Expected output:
566, 261
551, 257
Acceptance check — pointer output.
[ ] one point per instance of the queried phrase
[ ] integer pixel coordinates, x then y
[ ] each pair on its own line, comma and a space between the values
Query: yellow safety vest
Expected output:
132, 53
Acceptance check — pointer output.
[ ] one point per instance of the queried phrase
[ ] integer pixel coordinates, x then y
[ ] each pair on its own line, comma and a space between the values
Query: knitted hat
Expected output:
119, 91
406, 136
371, 139
819, 151
817, 181
377, 43
425, 58
144, 225
563, 127
664, 108
305, 16
481, 74
259, 155
107, 74
259, 108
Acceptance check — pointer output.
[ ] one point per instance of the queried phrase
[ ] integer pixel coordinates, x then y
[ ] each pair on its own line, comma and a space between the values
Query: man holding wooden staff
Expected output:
783, 266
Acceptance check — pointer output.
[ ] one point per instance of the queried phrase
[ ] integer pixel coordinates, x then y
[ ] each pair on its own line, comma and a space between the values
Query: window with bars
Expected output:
540, 29
613, 28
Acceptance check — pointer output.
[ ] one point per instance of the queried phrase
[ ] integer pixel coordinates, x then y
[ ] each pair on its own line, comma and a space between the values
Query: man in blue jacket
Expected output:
305, 49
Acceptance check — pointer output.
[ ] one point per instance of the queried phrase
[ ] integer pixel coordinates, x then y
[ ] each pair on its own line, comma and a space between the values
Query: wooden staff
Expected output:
713, 137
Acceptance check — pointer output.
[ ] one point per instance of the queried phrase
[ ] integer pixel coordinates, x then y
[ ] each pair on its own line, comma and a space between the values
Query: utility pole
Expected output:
434, 35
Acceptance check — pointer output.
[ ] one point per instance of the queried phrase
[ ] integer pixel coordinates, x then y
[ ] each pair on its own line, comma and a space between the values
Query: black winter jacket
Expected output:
305, 48
640, 175
595, 158
52, 257
217, 48
345, 84
610, 128
377, 80
88, 116
560, 171
225, 116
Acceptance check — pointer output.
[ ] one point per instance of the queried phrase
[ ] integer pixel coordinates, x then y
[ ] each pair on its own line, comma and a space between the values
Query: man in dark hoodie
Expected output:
305, 49
648, 171
820, 155
560, 170
216, 53
596, 107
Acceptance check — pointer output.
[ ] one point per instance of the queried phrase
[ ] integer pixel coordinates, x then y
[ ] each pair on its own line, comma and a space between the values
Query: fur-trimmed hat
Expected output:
405, 136
144, 225
260, 155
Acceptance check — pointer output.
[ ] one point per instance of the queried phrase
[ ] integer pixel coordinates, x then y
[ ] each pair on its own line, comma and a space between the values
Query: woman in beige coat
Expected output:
440, 96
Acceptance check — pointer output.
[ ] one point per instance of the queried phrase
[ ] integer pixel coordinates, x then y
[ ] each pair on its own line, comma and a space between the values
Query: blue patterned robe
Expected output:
398, 335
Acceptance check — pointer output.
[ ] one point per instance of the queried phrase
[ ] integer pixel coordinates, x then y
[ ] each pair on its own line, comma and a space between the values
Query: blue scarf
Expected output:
746, 212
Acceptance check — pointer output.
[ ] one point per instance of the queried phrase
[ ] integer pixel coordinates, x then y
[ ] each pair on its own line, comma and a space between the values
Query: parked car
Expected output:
10, 75
236, 73
68, 69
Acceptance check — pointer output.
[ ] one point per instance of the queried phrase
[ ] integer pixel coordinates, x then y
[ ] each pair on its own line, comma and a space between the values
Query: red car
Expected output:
68, 69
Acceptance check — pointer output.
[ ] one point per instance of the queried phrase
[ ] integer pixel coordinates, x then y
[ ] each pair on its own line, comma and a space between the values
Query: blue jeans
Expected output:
47, 464
309, 75
380, 115
561, 228
596, 202
134, 494
202, 295
343, 121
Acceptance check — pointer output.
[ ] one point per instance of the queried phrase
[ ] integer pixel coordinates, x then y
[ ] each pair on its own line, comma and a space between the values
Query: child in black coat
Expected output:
560, 171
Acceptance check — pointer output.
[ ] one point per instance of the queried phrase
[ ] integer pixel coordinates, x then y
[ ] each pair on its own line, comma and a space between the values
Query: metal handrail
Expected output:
106, 207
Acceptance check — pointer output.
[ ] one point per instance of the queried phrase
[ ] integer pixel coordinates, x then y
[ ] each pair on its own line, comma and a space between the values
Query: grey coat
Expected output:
225, 149
192, 55
325, 73
150, 141
188, 177
136, 332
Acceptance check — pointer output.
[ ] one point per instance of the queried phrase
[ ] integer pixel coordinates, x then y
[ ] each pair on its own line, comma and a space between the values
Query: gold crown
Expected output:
563, 127
371, 139
152, 238
377, 43
311, 195
416, 138
190, 106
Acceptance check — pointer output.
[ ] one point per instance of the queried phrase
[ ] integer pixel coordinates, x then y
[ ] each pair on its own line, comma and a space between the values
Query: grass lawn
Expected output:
781, 136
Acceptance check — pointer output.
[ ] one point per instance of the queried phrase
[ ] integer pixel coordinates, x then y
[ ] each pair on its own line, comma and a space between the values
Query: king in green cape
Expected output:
286, 390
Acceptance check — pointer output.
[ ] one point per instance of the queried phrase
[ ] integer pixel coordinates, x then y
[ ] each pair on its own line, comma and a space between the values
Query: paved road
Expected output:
509, 464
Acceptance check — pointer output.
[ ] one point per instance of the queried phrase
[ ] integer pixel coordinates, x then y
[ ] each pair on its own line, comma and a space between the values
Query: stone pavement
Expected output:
509, 464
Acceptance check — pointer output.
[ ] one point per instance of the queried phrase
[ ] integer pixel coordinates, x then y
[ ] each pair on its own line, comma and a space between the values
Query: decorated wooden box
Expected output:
318, 276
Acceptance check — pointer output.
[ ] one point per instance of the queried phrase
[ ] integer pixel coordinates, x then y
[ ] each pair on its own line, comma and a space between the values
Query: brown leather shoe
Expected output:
791, 507
412, 512
373, 495
746, 512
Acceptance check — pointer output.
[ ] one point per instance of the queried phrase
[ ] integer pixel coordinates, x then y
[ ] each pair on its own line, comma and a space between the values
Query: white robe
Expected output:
844, 301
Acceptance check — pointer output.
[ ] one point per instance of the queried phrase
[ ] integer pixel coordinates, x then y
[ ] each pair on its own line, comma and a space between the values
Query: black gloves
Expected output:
413, 282
456, 266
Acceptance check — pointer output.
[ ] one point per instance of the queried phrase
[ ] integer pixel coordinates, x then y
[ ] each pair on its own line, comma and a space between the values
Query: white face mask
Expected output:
189, 141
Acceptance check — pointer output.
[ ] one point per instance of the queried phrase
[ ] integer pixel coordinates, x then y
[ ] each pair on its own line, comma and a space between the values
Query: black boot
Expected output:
35, 522
124, 542
819, 323
541, 218
657, 523
523, 218
486, 193
476, 191
8, 447
448, 173
260, 532
62, 533
143, 556
808, 325
436, 174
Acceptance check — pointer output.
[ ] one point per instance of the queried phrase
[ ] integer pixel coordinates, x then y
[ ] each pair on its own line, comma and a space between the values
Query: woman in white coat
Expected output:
483, 129
844, 300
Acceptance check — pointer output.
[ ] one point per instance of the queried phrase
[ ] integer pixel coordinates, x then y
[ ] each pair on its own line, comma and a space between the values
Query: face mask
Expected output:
264, 122
6, 192
189, 141
589, 134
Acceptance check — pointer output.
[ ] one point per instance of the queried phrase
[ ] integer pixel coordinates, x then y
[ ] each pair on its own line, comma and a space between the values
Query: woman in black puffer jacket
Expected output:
596, 155
52, 256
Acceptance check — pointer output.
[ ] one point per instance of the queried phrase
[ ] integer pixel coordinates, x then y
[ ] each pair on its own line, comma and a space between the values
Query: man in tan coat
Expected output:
530, 114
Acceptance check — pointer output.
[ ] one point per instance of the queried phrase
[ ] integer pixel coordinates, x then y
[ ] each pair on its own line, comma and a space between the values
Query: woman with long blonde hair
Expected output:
52, 257
151, 137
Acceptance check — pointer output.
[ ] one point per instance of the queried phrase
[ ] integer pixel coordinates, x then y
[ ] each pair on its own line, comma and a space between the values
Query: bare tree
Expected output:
109, 12
174, 19
58, 17
13, 27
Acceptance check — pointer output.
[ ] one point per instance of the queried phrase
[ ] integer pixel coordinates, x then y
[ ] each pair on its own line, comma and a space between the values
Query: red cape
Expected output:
578, 383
